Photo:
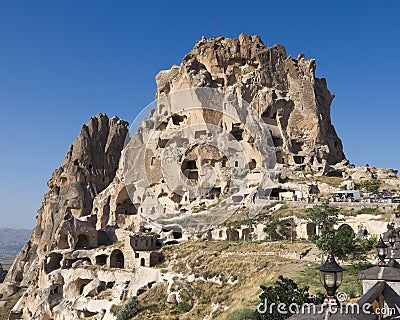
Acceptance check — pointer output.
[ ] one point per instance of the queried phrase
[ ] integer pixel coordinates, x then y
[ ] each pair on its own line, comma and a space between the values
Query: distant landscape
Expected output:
11, 242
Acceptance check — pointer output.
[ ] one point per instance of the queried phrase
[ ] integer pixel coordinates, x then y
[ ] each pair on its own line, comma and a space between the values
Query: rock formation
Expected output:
65, 222
92, 244
284, 91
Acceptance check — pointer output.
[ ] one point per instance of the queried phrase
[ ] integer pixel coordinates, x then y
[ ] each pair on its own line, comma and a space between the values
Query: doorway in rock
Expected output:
83, 242
117, 259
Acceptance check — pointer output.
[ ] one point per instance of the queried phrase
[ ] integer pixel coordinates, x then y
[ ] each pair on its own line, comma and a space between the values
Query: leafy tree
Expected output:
326, 241
284, 291
344, 241
274, 226
129, 309
367, 244
324, 216
370, 185
341, 241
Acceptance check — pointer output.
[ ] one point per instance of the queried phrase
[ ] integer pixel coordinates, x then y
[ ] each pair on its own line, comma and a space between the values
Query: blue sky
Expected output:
64, 61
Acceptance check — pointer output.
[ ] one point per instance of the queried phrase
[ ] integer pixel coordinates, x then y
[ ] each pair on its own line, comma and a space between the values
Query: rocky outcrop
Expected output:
87, 169
284, 91
95, 240
66, 212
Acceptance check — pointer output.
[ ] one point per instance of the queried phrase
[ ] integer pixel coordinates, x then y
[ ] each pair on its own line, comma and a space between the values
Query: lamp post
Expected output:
331, 275
381, 251
392, 238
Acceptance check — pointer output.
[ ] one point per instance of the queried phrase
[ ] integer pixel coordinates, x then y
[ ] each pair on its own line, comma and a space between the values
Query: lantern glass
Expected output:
382, 252
330, 281
339, 278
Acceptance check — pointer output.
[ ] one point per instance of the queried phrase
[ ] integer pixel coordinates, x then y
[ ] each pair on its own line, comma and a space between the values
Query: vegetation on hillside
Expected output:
225, 278
341, 242
370, 185
284, 291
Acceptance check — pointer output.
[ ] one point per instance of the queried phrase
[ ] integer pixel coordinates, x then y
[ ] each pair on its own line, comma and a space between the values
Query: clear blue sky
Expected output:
64, 61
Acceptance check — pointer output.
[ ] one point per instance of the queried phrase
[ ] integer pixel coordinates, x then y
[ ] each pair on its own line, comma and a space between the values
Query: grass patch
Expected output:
374, 211
197, 209
241, 314
11, 301
241, 262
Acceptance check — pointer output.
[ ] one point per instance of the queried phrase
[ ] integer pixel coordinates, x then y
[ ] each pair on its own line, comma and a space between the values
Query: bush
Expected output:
284, 291
115, 309
370, 185
197, 209
368, 211
242, 314
129, 309
183, 307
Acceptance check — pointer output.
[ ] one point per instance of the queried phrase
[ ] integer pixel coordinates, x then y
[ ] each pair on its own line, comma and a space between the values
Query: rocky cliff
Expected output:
87, 169
284, 91
94, 242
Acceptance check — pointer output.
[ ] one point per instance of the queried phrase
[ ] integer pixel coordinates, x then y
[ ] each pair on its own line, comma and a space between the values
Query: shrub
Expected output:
284, 291
197, 209
183, 306
242, 314
368, 211
370, 185
115, 309
129, 309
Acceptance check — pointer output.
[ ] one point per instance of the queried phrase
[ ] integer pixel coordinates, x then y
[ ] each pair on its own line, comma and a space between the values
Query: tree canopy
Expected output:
370, 185
284, 291
340, 242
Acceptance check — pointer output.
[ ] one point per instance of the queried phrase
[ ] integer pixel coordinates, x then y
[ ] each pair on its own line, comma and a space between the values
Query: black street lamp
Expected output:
331, 275
382, 252
390, 226
392, 238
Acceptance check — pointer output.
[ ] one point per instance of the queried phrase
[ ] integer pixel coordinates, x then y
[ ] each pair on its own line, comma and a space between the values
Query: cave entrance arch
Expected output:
311, 229
117, 259
101, 259
83, 242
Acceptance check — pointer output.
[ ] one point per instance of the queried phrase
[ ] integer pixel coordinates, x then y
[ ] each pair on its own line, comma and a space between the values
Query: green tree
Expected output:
368, 243
325, 241
284, 291
344, 241
274, 226
341, 241
370, 185
129, 309
324, 216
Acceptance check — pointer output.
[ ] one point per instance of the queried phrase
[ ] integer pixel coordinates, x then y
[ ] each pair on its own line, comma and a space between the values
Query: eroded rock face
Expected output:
87, 169
283, 90
85, 253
